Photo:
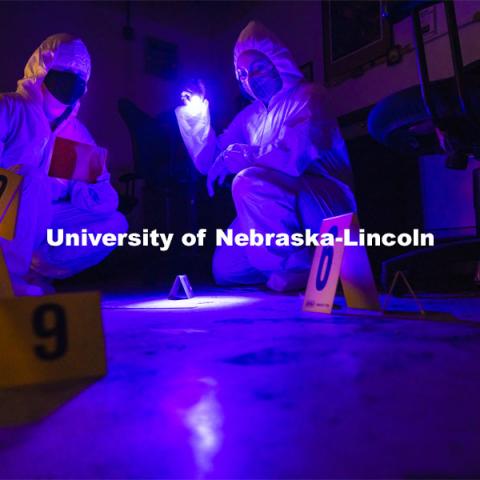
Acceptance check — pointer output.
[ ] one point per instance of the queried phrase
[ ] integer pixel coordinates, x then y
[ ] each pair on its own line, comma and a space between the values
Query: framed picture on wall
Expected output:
354, 34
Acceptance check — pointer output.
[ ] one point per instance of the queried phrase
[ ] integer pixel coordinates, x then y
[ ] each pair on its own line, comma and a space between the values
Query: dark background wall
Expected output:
205, 33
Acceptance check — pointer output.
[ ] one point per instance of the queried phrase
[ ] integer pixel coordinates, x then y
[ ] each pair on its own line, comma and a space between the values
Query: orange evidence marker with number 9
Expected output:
50, 339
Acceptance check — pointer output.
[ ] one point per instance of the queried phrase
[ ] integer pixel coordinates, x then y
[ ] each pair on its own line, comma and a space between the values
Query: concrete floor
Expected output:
241, 384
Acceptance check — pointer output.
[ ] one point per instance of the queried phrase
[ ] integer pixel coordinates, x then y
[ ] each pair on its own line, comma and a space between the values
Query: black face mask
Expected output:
66, 87
265, 85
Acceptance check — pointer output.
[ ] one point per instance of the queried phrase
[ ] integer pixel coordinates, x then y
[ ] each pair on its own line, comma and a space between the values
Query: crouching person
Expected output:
43, 108
289, 159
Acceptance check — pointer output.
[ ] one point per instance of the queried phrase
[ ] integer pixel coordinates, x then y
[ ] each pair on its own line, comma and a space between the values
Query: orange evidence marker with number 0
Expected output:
349, 264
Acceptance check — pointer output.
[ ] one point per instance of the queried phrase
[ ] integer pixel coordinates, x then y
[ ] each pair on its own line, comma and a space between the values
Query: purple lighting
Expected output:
207, 302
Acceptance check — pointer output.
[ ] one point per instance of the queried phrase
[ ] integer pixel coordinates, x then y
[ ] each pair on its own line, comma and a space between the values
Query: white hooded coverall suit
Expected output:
26, 144
295, 170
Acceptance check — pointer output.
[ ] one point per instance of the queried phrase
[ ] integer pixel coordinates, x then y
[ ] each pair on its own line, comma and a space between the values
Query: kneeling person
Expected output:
290, 162
43, 108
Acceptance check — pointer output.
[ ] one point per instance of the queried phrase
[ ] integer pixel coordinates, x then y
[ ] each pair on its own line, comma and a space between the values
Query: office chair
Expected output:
409, 121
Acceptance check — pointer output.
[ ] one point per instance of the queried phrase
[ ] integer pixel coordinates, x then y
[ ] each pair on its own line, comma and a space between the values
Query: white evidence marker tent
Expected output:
181, 288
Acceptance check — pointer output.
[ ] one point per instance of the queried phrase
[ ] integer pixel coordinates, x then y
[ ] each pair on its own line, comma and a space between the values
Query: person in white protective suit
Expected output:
43, 107
290, 162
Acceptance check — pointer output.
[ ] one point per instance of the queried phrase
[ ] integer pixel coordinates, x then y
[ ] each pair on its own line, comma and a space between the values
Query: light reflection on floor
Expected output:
205, 419
204, 302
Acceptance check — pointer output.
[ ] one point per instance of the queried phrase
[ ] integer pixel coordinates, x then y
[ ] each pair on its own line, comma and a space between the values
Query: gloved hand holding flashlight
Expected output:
193, 119
193, 98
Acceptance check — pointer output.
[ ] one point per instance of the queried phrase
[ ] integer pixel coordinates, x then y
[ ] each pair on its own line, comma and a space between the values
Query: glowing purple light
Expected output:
203, 302
193, 103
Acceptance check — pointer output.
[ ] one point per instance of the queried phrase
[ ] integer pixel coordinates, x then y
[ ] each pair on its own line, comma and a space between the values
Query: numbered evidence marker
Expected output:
50, 338
6, 289
9, 200
181, 288
349, 263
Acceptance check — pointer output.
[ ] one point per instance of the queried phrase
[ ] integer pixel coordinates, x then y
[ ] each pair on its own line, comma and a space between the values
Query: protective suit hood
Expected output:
256, 36
61, 51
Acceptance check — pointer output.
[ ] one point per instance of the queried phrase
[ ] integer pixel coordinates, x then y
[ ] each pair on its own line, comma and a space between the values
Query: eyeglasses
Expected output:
260, 67
242, 74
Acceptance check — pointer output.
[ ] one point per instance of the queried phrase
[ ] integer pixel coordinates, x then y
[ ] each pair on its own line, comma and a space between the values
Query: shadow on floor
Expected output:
29, 404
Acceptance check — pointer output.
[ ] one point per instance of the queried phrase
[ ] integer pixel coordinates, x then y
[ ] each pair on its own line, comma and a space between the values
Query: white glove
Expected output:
235, 158
239, 156
194, 124
60, 188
